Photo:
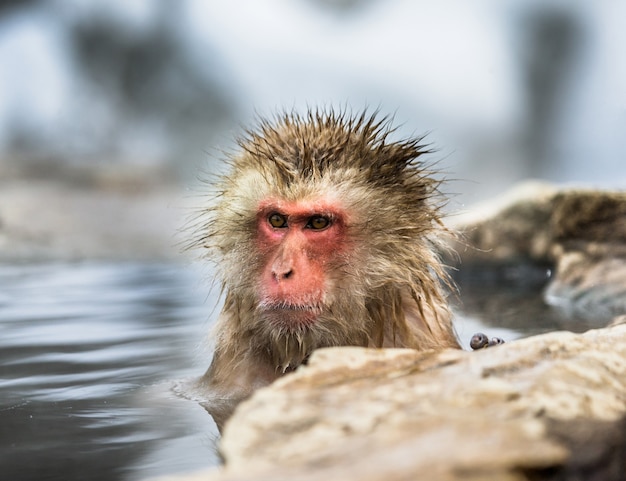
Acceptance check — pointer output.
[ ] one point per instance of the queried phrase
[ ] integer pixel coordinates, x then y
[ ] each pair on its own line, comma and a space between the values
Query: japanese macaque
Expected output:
323, 234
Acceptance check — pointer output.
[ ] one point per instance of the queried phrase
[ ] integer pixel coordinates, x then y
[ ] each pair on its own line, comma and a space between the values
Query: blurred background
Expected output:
506, 90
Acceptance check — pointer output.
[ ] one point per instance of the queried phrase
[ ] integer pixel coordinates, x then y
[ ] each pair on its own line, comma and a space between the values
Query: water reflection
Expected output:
508, 302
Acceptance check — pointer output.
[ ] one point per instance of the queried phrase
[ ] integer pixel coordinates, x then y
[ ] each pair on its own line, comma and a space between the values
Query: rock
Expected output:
579, 236
547, 407
107, 218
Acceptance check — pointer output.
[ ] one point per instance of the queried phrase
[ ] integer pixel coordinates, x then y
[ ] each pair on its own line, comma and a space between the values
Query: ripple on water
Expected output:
85, 354
91, 354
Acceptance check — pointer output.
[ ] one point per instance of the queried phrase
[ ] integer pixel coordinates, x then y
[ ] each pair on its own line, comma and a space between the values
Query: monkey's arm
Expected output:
430, 326
236, 374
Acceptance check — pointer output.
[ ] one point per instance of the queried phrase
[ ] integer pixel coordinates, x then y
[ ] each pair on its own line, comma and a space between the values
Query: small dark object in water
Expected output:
480, 341
495, 341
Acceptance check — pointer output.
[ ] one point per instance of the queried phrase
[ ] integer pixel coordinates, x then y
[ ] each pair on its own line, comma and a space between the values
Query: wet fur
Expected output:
385, 291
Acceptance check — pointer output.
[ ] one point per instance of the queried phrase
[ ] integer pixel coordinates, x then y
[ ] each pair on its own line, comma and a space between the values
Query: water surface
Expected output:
89, 354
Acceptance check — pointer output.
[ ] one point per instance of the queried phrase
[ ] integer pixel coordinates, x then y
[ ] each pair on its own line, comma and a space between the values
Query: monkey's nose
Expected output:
282, 275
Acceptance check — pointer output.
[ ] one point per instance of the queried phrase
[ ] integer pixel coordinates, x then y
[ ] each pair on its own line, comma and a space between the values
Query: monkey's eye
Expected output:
318, 222
277, 220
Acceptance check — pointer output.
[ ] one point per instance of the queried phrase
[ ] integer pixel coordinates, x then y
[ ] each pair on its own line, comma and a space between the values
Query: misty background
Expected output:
506, 90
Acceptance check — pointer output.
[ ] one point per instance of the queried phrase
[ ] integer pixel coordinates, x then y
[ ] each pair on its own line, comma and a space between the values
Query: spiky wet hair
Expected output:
390, 194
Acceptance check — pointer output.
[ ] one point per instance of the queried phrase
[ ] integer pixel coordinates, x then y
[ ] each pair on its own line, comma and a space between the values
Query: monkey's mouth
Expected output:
290, 314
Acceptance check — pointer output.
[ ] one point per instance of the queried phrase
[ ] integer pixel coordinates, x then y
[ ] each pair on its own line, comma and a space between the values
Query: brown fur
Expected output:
386, 291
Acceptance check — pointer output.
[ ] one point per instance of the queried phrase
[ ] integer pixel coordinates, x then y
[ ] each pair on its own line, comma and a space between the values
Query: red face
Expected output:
299, 242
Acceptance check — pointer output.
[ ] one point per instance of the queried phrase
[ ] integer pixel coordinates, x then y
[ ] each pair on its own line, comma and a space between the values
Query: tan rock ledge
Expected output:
579, 234
547, 407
